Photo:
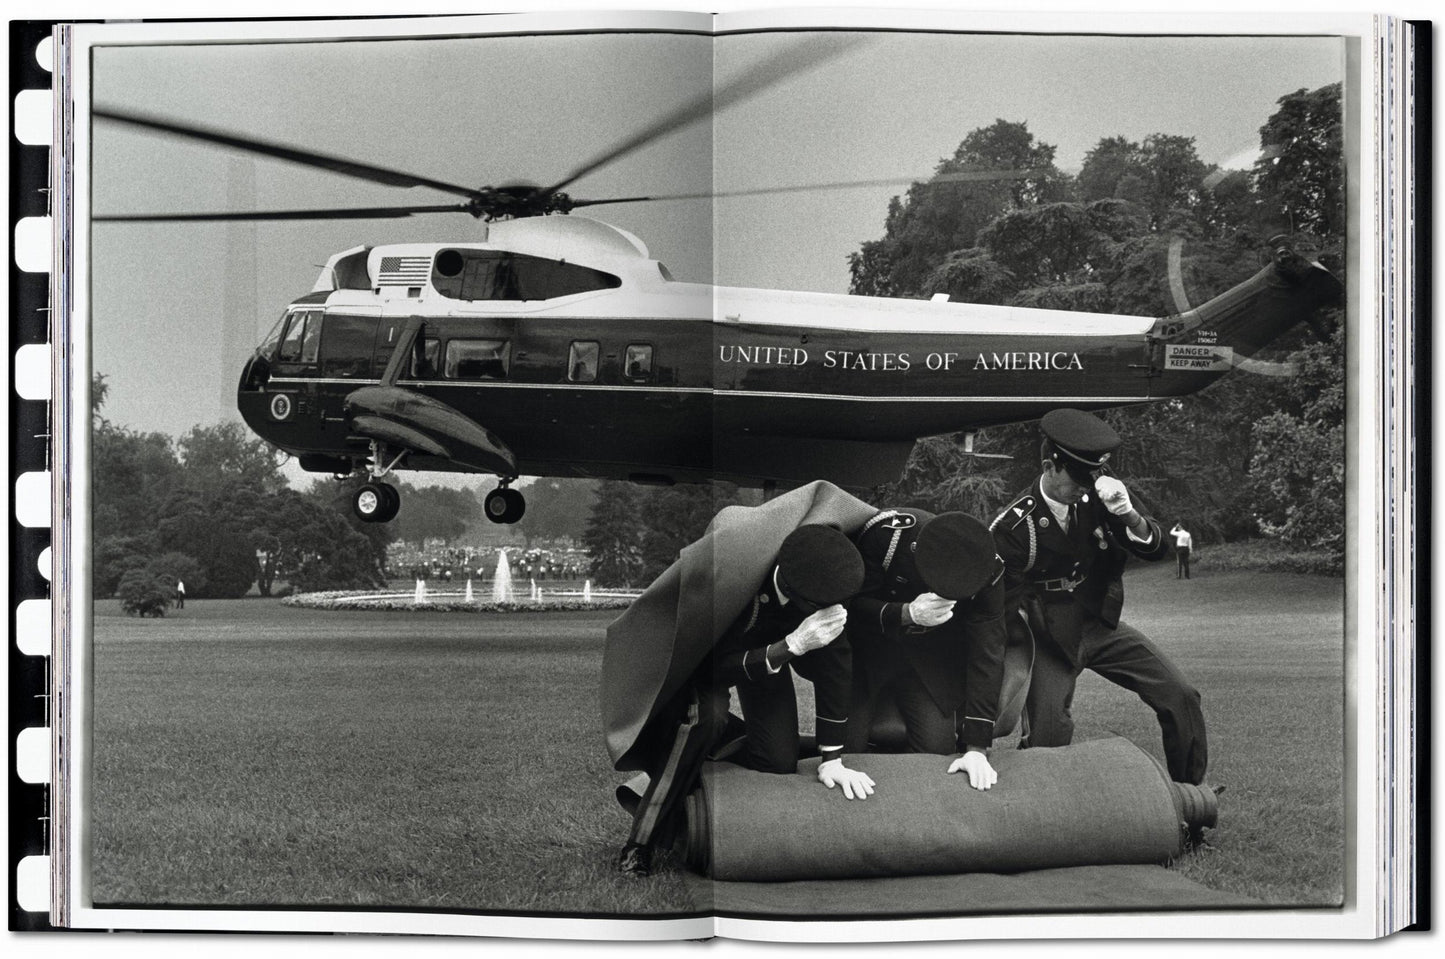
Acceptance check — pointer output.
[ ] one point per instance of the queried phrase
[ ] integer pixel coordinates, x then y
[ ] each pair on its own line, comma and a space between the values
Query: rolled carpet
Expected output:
1093, 803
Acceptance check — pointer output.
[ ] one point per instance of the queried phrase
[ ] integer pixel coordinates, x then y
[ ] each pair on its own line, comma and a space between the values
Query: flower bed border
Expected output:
361, 600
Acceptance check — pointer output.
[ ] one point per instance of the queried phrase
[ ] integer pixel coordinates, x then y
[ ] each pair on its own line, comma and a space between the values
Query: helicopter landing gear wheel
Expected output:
376, 502
504, 505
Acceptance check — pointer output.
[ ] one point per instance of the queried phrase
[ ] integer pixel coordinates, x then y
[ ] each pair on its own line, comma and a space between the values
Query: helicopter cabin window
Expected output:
477, 359
349, 345
638, 362
424, 357
302, 338
582, 361
498, 275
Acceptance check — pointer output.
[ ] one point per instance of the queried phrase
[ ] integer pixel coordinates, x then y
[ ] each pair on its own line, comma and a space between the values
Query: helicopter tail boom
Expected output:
1226, 331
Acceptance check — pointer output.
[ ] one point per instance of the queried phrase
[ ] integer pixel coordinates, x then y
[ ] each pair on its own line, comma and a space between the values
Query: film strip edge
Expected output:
31, 122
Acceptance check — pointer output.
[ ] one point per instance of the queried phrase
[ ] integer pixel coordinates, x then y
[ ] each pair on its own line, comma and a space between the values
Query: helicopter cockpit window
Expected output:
582, 361
638, 362
302, 338
273, 339
477, 359
498, 275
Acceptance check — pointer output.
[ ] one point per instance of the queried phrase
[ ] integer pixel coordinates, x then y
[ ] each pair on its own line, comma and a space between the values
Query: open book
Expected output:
504, 278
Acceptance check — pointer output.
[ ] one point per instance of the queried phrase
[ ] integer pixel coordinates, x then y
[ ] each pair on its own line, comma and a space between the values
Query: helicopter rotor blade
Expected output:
965, 176
773, 70
354, 213
335, 164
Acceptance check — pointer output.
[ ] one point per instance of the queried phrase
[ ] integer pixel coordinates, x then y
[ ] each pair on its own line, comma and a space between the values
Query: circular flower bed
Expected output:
451, 602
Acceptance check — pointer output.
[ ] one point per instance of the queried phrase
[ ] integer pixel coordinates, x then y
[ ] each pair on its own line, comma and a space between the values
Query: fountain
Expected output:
587, 592
420, 595
502, 581
469, 590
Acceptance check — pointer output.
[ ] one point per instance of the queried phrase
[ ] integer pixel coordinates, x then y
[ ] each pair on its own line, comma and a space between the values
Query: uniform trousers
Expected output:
770, 721
926, 728
1126, 657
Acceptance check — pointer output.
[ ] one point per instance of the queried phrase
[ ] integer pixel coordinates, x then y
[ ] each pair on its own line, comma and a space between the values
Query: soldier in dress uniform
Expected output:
1064, 543
928, 630
795, 623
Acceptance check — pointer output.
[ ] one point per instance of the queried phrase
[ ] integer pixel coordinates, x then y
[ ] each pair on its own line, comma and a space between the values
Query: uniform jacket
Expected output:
1041, 560
961, 662
741, 656
654, 649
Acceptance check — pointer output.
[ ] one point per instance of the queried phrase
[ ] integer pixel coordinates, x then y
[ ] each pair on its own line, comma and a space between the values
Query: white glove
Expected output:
818, 630
1114, 496
930, 609
856, 785
980, 774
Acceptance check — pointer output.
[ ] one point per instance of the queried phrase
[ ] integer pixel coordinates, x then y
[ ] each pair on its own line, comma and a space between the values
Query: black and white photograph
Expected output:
700, 475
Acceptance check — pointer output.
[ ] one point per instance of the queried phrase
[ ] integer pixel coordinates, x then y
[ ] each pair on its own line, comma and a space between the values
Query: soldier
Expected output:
928, 631
795, 623
1065, 542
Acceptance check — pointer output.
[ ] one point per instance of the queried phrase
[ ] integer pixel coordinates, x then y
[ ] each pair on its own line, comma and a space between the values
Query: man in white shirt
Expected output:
1183, 544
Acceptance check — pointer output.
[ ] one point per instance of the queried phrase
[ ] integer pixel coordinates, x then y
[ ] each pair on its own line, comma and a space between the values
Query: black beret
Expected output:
1081, 441
955, 555
820, 565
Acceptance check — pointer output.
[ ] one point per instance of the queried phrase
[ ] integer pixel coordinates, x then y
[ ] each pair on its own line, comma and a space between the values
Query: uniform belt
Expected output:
1060, 585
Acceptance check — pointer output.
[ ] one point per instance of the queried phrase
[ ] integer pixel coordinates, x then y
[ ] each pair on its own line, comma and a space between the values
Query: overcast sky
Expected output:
182, 304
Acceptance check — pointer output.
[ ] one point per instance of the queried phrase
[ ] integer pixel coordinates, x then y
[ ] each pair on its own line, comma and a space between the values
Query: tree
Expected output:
614, 534
1298, 466
1163, 176
228, 455
204, 524
435, 512
1300, 174
557, 509
942, 216
132, 475
941, 477
334, 497
677, 516
1147, 221
144, 593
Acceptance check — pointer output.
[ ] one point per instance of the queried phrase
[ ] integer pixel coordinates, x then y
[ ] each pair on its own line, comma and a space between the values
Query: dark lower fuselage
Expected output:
751, 403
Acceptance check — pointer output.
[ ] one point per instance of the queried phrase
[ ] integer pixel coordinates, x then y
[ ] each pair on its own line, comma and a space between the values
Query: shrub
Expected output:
143, 592
1271, 555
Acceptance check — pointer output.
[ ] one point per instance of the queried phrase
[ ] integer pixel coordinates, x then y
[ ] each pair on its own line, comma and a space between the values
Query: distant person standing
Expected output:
180, 594
1183, 544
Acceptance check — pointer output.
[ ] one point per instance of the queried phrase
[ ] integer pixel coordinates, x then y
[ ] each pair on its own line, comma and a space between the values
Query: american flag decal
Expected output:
404, 271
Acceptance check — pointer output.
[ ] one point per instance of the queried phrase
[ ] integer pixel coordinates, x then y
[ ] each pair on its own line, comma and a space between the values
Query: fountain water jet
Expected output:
502, 581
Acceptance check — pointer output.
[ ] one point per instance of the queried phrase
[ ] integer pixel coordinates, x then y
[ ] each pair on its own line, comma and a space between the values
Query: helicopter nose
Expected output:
255, 374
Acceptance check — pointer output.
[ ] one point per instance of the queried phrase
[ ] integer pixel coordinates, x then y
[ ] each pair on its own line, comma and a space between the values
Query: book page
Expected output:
297, 800
1021, 139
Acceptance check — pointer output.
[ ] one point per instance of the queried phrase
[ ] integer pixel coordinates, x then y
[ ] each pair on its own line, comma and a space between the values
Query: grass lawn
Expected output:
251, 754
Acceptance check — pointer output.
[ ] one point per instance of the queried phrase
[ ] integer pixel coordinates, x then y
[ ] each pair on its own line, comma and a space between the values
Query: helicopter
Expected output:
553, 344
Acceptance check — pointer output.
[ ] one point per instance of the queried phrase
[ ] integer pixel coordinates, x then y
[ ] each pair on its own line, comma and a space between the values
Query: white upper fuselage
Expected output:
645, 292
